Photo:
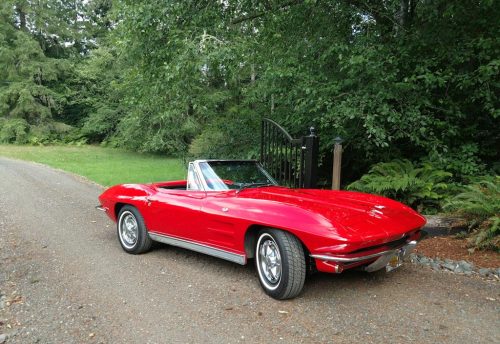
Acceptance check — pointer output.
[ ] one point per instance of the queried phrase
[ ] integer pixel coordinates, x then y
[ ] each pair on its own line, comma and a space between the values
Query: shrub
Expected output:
13, 130
100, 124
421, 187
233, 137
480, 204
462, 161
50, 132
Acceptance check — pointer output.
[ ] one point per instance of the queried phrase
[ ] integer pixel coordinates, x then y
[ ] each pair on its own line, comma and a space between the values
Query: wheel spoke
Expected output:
129, 230
270, 261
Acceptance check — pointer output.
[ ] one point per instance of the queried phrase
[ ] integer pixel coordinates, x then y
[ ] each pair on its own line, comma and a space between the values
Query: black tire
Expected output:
290, 252
142, 242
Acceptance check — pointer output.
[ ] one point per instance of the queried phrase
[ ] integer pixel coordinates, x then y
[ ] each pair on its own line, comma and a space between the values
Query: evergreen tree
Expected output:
40, 43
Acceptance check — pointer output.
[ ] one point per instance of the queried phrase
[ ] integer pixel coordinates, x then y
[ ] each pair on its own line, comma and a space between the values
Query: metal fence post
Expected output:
262, 125
311, 146
337, 163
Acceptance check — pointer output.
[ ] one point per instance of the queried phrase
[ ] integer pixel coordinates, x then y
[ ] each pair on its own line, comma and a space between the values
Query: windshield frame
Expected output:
206, 188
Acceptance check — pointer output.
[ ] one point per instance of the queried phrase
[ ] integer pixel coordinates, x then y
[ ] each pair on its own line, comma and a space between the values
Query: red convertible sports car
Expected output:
234, 210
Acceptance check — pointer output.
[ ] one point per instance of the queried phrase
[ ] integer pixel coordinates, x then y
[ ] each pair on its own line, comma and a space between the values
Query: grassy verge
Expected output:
106, 166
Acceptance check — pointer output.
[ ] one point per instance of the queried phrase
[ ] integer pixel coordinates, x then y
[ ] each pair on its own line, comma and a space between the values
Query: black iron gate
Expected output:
292, 162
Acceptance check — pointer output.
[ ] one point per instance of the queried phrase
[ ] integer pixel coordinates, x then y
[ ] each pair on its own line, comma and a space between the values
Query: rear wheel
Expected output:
281, 264
132, 233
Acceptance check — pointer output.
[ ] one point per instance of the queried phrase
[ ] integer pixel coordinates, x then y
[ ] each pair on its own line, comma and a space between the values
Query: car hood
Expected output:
351, 214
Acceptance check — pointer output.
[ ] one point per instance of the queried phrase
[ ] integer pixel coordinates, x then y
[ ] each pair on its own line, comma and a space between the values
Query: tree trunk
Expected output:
406, 13
403, 13
22, 15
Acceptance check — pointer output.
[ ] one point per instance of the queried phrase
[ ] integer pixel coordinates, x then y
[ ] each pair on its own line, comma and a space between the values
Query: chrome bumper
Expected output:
383, 257
101, 208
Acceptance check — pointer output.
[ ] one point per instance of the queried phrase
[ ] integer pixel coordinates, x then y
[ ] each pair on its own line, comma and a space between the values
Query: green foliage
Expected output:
419, 187
419, 85
27, 74
51, 133
480, 204
228, 137
462, 162
98, 95
40, 44
408, 79
13, 130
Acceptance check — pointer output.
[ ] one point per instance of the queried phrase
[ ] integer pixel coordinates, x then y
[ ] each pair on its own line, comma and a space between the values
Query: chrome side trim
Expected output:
101, 208
211, 251
408, 248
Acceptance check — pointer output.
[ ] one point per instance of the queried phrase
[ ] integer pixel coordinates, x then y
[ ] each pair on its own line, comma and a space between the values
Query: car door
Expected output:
223, 226
177, 213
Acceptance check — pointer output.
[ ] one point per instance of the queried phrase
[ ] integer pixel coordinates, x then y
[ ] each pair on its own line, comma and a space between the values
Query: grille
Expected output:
388, 245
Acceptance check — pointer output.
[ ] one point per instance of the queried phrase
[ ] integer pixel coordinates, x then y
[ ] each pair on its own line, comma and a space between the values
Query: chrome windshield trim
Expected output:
201, 177
196, 175
205, 249
410, 245
225, 160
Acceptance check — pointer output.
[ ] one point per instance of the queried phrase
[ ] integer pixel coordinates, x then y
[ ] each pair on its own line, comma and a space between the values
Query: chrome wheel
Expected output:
129, 229
269, 261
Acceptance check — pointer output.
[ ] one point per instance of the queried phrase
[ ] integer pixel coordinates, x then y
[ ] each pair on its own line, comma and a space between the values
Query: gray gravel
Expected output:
458, 267
65, 279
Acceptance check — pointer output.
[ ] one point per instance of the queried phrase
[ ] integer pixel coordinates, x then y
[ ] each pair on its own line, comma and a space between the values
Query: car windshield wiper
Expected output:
253, 185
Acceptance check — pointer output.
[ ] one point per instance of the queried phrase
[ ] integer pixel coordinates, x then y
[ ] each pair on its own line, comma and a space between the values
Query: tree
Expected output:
40, 43
399, 79
26, 96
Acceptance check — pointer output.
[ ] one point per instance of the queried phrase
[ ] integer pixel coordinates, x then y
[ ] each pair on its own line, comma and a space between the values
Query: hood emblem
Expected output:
376, 213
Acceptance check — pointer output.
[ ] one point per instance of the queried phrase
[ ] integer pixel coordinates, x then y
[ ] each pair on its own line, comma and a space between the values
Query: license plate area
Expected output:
395, 261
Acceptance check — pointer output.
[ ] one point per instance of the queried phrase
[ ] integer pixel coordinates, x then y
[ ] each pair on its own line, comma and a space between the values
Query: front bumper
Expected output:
370, 262
101, 208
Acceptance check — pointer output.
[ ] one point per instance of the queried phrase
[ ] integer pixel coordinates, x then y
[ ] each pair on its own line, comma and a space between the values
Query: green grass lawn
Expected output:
106, 166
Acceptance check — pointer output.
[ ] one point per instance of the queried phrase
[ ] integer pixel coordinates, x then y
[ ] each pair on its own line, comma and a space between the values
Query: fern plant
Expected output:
417, 187
480, 204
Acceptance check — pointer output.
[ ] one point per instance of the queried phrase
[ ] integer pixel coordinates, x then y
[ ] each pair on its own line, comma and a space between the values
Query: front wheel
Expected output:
132, 232
281, 264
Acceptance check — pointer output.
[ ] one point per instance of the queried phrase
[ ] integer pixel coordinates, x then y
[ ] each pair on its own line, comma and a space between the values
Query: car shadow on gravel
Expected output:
186, 256
317, 285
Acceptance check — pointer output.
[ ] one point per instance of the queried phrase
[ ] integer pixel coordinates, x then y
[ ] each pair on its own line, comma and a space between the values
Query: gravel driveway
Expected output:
65, 279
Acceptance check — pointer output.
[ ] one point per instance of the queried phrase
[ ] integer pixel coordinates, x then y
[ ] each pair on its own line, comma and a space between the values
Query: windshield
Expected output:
224, 175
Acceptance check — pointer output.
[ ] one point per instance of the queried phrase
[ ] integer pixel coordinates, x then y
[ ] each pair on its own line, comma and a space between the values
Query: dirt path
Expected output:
68, 280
